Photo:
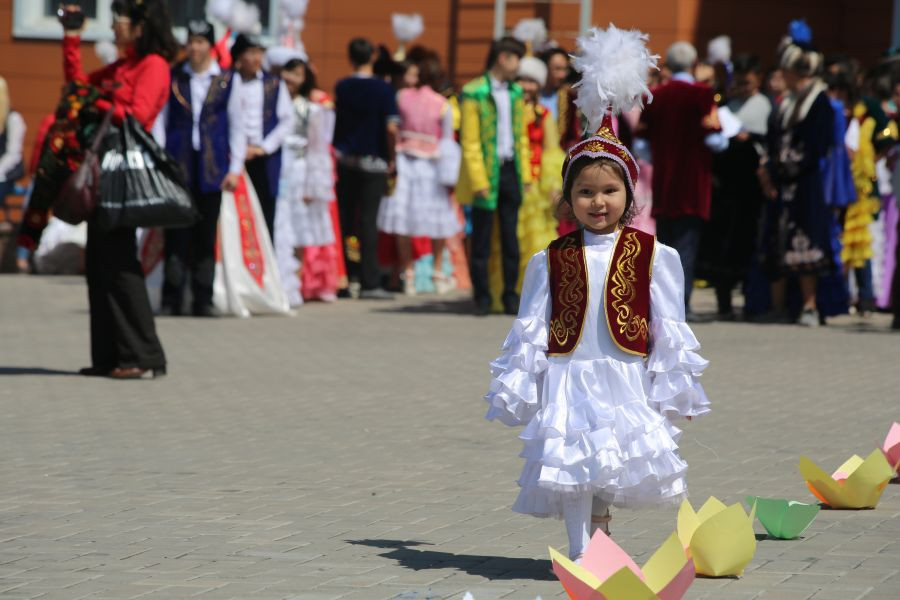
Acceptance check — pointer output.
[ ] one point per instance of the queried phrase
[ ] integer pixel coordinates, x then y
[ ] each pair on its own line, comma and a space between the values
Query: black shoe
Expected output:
167, 310
206, 311
896, 324
511, 306
376, 294
95, 371
482, 308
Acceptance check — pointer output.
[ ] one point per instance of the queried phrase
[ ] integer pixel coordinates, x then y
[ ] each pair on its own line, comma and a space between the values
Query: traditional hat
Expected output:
242, 43
614, 64
202, 28
532, 33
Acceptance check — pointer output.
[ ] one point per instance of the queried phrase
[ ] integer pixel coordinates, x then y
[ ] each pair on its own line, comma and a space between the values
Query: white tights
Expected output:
577, 511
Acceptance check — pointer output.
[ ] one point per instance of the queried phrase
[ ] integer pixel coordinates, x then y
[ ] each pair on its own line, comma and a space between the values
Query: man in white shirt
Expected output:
268, 119
204, 132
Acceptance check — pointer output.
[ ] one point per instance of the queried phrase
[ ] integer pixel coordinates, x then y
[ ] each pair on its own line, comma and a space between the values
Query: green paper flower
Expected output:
783, 519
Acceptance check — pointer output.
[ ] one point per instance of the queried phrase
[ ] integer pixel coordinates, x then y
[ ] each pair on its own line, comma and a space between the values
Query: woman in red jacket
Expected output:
124, 344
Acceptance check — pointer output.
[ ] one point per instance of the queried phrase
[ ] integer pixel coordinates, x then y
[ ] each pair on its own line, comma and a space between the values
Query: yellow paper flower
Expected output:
857, 483
719, 538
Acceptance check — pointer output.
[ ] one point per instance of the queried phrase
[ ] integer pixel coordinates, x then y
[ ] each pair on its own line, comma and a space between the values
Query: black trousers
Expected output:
259, 176
193, 250
359, 195
123, 333
509, 199
683, 234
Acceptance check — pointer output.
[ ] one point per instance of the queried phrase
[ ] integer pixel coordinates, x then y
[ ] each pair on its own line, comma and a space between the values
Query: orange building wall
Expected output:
859, 27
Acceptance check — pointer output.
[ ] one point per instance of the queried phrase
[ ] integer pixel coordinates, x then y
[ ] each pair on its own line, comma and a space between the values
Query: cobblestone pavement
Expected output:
342, 453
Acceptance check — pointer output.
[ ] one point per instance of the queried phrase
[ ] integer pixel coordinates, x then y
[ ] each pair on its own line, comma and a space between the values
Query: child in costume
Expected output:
600, 356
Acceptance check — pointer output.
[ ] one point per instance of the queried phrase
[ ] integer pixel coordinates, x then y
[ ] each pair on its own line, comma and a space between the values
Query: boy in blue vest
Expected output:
268, 120
204, 132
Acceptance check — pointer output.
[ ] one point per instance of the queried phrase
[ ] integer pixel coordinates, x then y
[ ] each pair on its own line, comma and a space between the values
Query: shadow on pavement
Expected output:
489, 567
456, 306
7, 371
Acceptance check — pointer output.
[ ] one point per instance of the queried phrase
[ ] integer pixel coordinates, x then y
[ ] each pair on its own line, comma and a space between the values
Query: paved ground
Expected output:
342, 453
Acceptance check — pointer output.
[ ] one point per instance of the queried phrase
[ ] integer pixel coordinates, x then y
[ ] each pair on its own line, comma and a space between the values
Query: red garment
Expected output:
137, 86
676, 124
536, 140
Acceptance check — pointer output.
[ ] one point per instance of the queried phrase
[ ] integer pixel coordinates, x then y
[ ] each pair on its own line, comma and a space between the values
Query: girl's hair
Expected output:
564, 208
430, 72
309, 78
156, 26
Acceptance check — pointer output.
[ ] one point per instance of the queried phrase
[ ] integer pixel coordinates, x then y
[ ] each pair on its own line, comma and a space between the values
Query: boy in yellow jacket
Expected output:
495, 167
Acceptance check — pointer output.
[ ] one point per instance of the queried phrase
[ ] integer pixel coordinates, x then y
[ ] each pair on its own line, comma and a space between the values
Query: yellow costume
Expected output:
537, 220
856, 238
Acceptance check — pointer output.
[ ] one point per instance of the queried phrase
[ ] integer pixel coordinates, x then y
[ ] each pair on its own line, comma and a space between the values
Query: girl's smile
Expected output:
599, 198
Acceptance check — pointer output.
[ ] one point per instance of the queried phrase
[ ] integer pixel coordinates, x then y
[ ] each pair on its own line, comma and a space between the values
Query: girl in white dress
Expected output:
600, 358
428, 160
302, 213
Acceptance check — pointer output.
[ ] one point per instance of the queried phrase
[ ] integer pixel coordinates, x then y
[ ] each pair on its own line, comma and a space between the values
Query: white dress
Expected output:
596, 420
420, 205
308, 174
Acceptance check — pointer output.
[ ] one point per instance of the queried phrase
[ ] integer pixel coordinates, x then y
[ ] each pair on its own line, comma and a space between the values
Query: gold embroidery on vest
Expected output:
571, 292
631, 325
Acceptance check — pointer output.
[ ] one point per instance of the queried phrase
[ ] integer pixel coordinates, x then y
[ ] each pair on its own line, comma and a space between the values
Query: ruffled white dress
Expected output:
598, 420
420, 205
302, 211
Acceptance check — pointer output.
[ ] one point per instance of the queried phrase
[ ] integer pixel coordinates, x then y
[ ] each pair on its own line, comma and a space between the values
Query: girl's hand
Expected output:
689, 418
72, 18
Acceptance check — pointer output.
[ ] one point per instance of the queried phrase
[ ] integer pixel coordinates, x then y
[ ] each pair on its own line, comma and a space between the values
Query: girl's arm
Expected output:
514, 395
674, 365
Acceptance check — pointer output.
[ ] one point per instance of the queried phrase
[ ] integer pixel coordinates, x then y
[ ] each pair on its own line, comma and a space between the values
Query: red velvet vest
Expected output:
626, 292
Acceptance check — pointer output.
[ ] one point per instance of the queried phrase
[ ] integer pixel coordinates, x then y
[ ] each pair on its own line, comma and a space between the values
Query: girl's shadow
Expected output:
489, 567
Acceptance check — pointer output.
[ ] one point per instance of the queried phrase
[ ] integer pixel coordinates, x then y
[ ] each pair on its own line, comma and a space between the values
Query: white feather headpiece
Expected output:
531, 31
294, 9
237, 15
614, 64
407, 27
719, 50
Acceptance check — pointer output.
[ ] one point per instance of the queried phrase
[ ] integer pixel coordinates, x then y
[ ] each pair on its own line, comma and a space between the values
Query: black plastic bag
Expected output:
141, 185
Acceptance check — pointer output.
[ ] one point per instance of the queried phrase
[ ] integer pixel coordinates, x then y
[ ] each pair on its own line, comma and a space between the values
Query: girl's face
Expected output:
531, 88
294, 79
598, 198
126, 34
411, 77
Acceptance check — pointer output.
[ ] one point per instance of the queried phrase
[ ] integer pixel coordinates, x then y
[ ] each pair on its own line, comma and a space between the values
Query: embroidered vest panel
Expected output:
214, 130
568, 292
270, 122
626, 292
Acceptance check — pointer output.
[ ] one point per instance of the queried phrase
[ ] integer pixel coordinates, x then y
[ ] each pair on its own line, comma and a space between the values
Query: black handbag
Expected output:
77, 199
141, 185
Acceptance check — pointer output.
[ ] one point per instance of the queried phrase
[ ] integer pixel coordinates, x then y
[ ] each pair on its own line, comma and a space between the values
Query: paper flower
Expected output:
891, 447
783, 519
719, 538
857, 483
607, 572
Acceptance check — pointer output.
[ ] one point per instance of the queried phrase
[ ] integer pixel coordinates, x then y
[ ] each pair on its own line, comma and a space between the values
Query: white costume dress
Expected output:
308, 174
428, 160
596, 418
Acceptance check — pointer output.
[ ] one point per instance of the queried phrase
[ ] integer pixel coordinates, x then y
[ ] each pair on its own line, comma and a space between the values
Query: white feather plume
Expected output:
531, 31
220, 10
614, 64
106, 51
294, 9
719, 50
245, 18
238, 15
407, 27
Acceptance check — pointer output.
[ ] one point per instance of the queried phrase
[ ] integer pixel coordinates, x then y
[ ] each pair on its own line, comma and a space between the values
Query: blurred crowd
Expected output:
772, 176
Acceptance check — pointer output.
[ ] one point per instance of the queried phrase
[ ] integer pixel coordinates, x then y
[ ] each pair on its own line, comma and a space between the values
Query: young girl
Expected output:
304, 211
600, 357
